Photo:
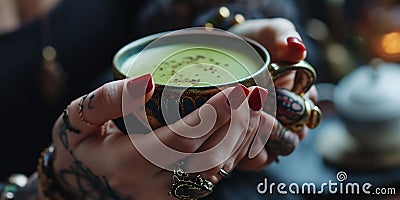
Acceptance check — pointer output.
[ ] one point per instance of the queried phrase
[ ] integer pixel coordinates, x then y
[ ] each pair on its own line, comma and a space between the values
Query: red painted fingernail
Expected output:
237, 96
257, 98
134, 86
296, 43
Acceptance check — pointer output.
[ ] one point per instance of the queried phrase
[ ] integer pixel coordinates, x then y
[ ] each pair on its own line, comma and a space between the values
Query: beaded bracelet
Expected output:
51, 188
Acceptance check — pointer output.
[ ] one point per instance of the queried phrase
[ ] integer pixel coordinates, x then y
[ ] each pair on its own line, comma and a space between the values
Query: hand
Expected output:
94, 160
283, 42
278, 35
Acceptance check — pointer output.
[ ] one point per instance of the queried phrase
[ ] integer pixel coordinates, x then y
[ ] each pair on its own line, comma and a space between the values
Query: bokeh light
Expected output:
391, 43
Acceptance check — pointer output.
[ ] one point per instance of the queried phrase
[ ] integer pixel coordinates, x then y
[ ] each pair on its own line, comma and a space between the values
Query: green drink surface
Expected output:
185, 65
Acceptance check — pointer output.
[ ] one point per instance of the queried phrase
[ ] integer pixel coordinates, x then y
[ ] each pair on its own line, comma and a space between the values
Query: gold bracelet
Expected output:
51, 188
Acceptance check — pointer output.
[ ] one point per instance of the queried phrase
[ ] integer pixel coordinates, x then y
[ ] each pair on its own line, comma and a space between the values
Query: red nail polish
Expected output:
150, 85
237, 96
296, 43
134, 86
257, 98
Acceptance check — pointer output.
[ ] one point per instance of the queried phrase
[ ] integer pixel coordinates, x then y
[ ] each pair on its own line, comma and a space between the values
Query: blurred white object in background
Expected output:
367, 103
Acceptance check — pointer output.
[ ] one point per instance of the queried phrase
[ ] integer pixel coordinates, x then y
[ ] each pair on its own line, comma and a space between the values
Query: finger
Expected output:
302, 133
312, 94
217, 156
287, 44
89, 112
225, 157
286, 80
255, 100
169, 144
278, 35
281, 141
256, 163
258, 157
224, 107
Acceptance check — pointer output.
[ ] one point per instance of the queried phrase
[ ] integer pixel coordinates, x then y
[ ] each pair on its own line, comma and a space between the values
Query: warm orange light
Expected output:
391, 43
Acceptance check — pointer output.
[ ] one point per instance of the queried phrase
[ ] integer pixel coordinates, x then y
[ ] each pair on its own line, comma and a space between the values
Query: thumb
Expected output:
117, 98
133, 93
88, 113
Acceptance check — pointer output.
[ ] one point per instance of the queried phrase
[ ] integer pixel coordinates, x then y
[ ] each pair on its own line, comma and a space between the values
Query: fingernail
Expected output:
237, 96
257, 98
134, 86
296, 43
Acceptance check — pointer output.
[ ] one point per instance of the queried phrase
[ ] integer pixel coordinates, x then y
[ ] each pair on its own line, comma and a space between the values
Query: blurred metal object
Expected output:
223, 173
223, 12
224, 18
305, 75
238, 19
219, 18
15, 183
18, 179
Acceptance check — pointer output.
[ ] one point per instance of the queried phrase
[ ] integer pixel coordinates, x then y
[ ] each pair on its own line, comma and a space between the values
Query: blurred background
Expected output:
353, 44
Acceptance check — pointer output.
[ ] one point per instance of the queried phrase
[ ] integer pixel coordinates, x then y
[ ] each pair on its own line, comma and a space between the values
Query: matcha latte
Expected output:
190, 65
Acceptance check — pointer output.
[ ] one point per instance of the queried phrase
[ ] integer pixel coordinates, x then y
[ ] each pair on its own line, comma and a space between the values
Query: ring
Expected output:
223, 173
186, 188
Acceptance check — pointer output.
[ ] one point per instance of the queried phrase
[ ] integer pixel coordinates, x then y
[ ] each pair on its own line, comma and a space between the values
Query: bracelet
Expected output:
14, 184
51, 188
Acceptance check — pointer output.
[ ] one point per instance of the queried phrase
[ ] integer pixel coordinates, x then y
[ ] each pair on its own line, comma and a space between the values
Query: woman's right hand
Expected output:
94, 160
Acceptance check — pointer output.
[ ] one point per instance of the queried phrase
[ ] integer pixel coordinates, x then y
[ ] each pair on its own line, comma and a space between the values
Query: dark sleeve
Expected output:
1, 187
165, 15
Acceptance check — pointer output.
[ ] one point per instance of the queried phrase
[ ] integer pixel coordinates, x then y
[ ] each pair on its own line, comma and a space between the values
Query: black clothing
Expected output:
86, 35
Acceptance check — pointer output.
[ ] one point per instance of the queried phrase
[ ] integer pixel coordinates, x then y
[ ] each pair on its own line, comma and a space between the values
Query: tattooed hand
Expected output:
94, 160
